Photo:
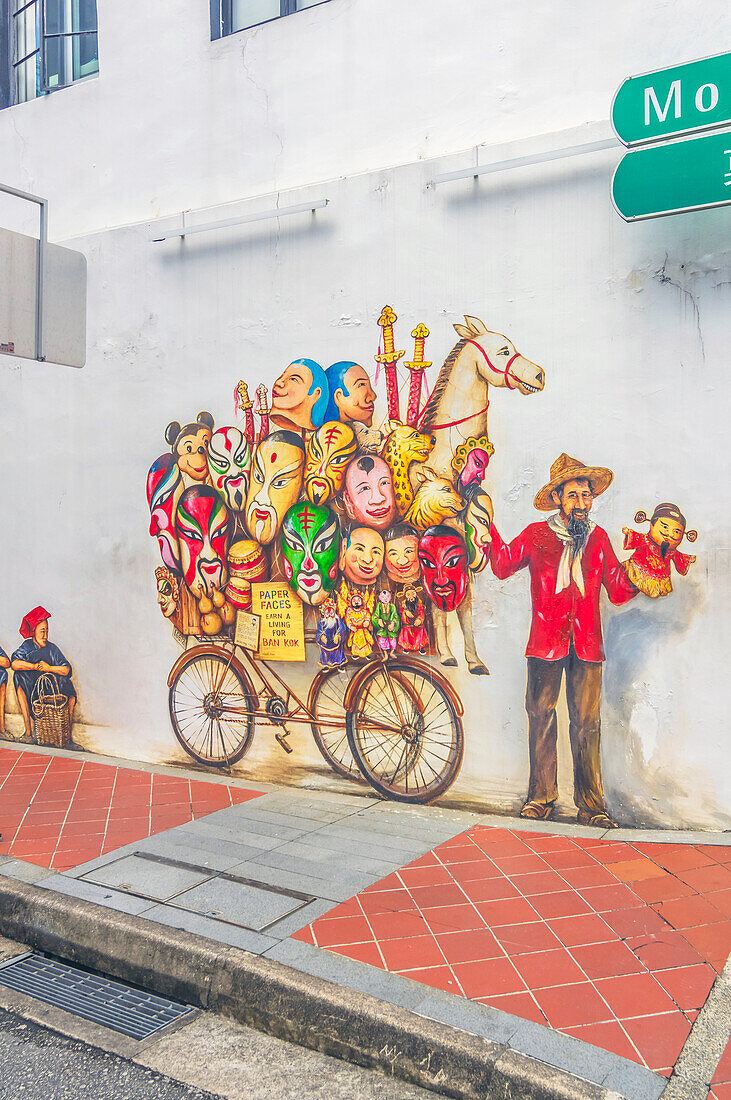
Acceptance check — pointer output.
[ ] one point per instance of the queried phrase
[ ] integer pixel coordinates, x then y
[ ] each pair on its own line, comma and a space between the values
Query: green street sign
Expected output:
671, 179
675, 101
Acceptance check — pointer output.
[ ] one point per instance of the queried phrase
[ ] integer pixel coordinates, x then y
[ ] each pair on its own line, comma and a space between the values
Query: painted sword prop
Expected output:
245, 403
389, 358
262, 408
417, 367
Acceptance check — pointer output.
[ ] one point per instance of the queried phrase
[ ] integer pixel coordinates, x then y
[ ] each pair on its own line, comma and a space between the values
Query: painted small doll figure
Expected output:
649, 566
386, 622
331, 634
358, 622
413, 637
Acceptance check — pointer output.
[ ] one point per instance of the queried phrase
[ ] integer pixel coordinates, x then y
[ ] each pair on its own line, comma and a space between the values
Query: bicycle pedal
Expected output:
282, 739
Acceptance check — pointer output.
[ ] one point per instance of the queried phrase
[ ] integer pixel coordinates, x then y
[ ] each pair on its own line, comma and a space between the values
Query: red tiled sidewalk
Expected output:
60, 812
617, 944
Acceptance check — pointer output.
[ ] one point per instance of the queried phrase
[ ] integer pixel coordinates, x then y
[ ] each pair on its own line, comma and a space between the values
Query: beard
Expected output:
578, 527
664, 548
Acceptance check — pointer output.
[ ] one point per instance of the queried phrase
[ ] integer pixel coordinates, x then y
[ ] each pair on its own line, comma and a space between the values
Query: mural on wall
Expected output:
377, 533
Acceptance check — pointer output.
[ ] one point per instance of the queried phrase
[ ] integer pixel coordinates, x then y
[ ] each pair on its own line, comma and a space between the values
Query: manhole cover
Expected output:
105, 1001
137, 875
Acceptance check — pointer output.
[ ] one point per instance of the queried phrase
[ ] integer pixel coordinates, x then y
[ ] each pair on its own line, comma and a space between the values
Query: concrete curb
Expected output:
280, 1000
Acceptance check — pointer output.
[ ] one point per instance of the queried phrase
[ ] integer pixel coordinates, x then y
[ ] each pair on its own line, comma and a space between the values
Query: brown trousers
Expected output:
583, 695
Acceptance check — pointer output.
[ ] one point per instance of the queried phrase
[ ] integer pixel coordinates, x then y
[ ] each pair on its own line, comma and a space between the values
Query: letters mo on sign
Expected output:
674, 101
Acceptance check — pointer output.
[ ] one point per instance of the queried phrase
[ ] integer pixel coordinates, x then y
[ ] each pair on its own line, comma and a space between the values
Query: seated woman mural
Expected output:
34, 657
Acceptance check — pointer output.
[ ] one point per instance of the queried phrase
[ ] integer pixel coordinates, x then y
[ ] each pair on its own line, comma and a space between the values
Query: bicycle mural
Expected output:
320, 532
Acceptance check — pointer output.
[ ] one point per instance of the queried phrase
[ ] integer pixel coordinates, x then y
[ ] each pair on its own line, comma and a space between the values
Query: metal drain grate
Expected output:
105, 1001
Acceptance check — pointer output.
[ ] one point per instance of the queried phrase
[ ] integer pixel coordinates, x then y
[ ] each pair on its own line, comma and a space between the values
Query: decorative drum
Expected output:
246, 563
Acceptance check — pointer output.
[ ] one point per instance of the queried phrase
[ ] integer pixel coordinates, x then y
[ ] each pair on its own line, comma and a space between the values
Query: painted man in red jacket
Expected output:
569, 558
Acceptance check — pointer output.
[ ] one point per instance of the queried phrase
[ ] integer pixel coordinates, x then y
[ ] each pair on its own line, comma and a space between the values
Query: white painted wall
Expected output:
175, 122
630, 323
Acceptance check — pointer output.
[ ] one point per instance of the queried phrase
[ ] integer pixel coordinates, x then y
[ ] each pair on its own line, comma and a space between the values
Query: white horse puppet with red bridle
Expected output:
457, 409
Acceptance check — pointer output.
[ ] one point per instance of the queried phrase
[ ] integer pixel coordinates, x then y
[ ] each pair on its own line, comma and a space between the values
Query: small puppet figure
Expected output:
331, 633
358, 621
386, 622
649, 566
412, 637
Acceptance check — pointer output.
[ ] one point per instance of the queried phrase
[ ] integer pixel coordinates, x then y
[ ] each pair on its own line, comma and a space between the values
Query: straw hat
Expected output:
566, 468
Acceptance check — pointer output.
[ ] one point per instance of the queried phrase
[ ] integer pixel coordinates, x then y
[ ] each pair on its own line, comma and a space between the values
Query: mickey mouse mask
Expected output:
311, 542
229, 459
276, 480
443, 559
202, 525
328, 453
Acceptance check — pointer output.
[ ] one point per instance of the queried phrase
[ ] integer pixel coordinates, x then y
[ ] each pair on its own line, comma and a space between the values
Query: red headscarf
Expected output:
32, 619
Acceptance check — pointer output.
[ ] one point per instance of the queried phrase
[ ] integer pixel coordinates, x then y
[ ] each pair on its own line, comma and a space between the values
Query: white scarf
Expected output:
570, 565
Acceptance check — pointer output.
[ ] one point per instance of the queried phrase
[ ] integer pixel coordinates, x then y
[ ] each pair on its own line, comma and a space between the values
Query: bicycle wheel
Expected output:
211, 708
328, 728
405, 734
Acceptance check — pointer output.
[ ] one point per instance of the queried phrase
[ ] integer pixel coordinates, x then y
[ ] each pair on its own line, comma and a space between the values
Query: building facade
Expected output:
369, 105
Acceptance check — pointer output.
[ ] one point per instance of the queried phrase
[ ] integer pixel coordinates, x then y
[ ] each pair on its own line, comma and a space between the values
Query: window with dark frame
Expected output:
229, 16
48, 44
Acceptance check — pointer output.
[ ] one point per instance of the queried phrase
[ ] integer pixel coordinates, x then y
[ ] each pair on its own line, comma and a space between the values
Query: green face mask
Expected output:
310, 543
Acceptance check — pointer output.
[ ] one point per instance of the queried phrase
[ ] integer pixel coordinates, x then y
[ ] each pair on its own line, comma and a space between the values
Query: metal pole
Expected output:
41, 270
42, 243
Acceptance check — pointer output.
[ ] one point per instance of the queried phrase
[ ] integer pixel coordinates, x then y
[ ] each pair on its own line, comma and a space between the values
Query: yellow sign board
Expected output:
282, 629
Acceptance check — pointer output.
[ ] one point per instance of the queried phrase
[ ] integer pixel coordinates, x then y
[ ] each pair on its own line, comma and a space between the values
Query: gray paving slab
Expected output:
582, 1059
247, 811
238, 827
408, 830
5, 859
198, 833
343, 971
100, 895
218, 855
634, 1082
197, 925
339, 845
145, 876
311, 851
654, 836
25, 872
243, 904
289, 925
330, 889
327, 872
469, 1016
362, 833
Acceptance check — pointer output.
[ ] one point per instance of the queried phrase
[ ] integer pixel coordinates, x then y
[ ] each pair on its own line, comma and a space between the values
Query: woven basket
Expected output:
51, 717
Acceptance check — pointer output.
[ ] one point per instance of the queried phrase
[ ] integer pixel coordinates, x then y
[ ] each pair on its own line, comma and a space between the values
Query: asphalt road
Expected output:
219, 1059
